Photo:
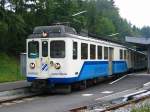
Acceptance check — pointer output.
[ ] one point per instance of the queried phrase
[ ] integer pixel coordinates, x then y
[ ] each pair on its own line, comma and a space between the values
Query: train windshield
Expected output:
33, 49
57, 49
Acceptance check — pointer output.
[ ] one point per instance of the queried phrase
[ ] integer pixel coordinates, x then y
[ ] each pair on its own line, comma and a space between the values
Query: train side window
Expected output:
105, 52
33, 49
121, 54
92, 51
75, 50
99, 52
57, 49
84, 51
44, 48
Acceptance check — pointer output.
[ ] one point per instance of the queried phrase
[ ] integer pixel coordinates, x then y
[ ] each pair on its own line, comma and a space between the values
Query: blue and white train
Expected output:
56, 55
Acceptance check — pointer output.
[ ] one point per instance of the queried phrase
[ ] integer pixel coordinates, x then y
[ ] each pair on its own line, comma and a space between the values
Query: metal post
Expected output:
148, 58
23, 63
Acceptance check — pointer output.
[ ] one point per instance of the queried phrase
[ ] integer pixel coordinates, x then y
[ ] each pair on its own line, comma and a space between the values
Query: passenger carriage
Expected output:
57, 55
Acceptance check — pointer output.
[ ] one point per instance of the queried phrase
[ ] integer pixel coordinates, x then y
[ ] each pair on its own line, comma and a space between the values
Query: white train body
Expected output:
68, 58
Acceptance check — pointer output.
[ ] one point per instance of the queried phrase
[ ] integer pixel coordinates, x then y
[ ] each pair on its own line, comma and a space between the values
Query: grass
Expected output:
9, 69
145, 108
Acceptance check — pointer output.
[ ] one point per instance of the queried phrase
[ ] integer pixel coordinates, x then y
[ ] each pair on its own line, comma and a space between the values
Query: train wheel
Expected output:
95, 81
83, 85
39, 86
68, 89
33, 87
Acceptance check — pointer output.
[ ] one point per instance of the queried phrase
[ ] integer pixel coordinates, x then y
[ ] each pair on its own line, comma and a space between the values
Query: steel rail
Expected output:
10, 97
112, 107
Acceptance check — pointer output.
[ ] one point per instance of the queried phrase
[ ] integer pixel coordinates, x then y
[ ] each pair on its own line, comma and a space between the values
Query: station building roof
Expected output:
138, 40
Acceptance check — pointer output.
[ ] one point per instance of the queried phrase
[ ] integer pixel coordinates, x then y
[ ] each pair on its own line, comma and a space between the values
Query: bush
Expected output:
145, 108
9, 68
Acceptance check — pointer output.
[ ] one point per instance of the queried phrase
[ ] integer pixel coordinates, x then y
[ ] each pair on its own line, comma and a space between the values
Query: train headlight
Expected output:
44, 34
32, 65
57, 66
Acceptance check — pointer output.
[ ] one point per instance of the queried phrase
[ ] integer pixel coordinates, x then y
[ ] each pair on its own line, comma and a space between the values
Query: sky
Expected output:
137, 12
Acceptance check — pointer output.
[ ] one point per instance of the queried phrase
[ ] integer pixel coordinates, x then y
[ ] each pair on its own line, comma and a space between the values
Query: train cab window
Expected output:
84, 51
121, 54
57, 49
75, 50
92, 51
33, 49
105, 52
99, 52
44, 48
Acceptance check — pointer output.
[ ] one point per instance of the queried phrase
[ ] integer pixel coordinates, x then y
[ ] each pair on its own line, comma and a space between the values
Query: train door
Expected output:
111, 57
33, 57
44, 59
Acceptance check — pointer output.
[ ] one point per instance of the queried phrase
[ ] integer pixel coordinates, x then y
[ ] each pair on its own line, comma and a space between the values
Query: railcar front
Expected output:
48, 59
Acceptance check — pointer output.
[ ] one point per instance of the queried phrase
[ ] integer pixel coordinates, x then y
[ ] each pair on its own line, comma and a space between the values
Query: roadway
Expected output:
61, 102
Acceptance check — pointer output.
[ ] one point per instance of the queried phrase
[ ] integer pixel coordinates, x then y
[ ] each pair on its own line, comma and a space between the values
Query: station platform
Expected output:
13, 85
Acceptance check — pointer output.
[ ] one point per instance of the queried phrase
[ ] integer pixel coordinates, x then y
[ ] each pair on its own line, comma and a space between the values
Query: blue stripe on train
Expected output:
119, 66
30, 79
90, 70
56, 80
62, 80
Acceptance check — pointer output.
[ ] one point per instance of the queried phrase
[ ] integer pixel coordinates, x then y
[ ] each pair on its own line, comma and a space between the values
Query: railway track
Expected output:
16, 94
22, 93
109, 106
134, 98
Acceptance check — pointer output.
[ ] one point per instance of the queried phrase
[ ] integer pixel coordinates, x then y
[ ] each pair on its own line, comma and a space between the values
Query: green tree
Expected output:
145, 31
104, 26
21, 16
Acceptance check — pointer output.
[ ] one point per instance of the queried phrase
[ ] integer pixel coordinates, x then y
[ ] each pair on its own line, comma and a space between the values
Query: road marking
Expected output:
28, 99
107, 92
7, 104
87, 94
97, 110
18, 101
118, 79
147, 84
114, 94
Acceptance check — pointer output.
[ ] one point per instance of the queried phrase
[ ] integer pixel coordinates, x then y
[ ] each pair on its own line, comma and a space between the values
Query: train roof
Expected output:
63, 31
52, 31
